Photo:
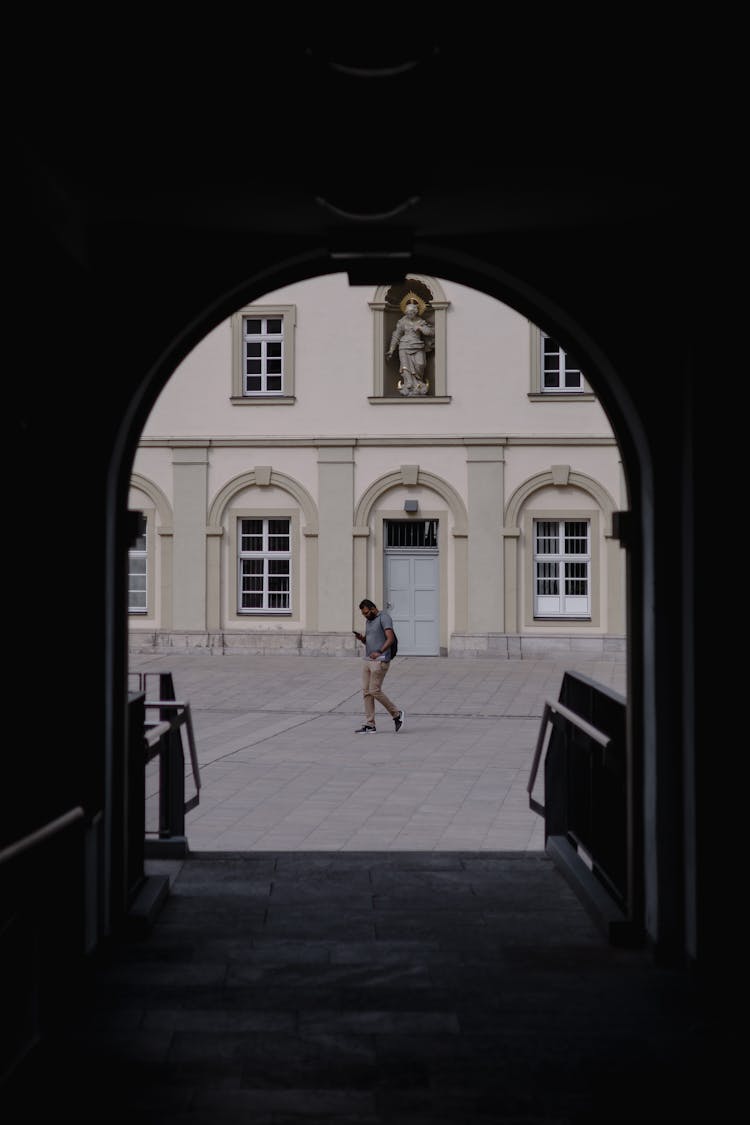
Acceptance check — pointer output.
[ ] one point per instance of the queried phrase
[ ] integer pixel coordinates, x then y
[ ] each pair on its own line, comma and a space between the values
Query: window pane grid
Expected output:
411, 534
559, 372
265, 566
576, 578
263, 339
546, 578
562, 568
576, 537
138, 570
547, 540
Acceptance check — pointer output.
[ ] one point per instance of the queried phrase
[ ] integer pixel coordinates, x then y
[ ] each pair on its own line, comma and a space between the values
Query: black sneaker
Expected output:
399, 721
368, 728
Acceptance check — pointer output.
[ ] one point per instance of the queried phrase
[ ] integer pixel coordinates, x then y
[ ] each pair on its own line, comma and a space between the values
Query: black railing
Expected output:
163, 737
585, 806
43, 935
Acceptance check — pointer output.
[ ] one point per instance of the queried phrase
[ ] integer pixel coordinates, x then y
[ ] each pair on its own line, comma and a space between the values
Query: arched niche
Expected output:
386, 311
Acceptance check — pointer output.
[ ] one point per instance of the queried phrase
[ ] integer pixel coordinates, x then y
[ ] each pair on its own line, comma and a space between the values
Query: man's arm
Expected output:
389, 635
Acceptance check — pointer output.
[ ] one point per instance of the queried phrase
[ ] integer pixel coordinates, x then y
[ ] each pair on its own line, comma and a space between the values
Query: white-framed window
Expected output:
264, 565
562, 568
559, 372
138, 568
553, 374
263, 355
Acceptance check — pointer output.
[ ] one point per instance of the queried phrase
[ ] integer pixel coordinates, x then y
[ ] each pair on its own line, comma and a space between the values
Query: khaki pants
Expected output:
373, 674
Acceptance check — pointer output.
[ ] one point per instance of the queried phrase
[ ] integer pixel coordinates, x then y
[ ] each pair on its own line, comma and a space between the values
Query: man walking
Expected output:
377, 639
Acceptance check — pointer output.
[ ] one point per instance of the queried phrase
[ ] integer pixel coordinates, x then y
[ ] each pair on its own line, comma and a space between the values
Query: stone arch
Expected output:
260, 477
159, 498
557, 475
409, 474
564, 311
413, 475
550, 477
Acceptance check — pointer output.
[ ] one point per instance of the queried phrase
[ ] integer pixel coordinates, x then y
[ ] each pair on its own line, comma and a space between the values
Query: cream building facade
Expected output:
284, 474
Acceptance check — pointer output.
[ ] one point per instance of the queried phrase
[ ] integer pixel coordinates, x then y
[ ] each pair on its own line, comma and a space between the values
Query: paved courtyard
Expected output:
281, 768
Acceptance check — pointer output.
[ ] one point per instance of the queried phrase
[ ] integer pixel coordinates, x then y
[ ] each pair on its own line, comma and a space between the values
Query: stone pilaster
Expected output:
485, 469
190, 475
335, 548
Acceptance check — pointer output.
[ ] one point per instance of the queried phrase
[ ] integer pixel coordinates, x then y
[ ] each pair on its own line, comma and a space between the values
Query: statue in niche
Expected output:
414, 338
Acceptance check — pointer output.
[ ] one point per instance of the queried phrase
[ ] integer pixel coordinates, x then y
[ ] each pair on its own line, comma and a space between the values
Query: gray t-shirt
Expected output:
375, 637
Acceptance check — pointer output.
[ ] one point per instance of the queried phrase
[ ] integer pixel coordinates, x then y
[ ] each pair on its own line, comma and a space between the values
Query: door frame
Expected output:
414, 553
445, 610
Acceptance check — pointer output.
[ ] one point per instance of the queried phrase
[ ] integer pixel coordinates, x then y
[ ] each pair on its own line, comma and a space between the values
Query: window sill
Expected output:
260, 614
263, 400
561, 396
562, 620
403, 400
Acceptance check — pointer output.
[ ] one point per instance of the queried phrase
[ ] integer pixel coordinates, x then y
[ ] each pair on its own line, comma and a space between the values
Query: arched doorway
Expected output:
494, 283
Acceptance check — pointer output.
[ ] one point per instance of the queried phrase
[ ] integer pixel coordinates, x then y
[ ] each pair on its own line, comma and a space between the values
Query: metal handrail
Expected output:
163, 739
156, 731
41, 834
552, 705
143, 678
154, 734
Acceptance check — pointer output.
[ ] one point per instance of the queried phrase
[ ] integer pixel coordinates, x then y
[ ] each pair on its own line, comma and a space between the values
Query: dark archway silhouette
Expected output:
129, 244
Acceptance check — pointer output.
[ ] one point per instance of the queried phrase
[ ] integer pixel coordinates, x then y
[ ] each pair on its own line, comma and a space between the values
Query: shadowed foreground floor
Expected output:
419, 988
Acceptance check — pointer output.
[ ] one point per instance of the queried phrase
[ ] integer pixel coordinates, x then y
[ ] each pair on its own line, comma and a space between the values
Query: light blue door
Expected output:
412, 598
